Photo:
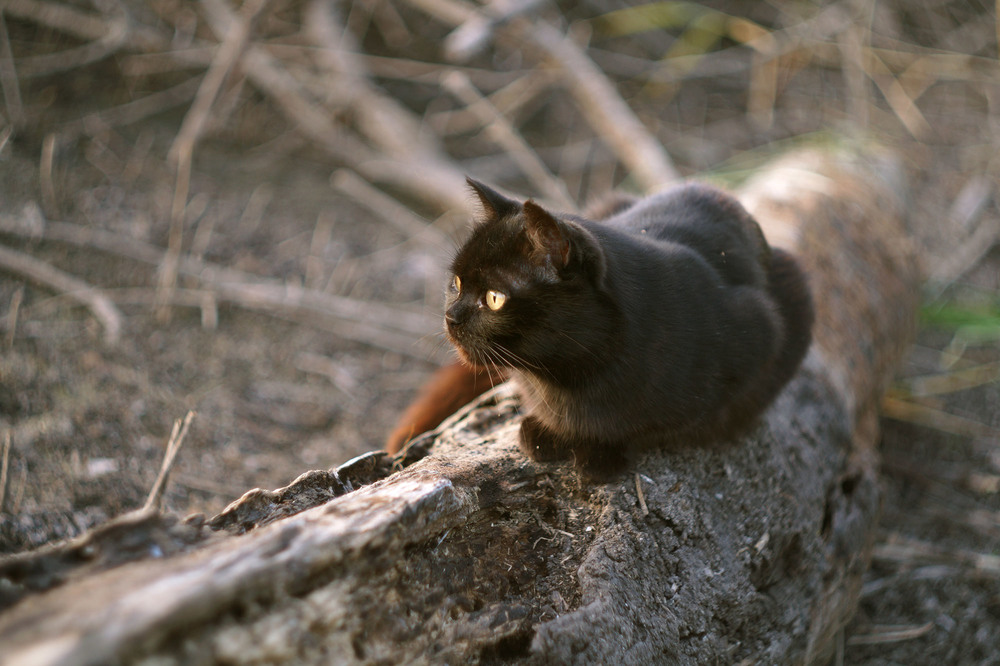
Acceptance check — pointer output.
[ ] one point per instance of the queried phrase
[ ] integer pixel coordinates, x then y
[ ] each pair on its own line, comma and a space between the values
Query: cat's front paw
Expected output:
537, 443
600, 462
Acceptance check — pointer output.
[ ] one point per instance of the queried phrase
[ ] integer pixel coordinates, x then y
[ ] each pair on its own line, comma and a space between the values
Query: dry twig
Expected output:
908, 552
320, 239
912, 412
507, 137
899, 101
85, 26
382, 120
596, 96
956, 380
134, 111
390, 210
474, 34
46, 181
605, 109
4, 468
890, 634
233, 42
366, 321
423, 172
8, 78
44, 274
975, 237
15, 308
177, 435
115, 33
641, 495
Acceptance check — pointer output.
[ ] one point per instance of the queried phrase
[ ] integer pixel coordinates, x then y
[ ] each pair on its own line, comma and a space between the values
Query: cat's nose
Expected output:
456, 315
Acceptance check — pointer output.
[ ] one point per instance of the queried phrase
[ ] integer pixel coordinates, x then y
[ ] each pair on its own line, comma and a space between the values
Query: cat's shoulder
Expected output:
696, 203
707, 220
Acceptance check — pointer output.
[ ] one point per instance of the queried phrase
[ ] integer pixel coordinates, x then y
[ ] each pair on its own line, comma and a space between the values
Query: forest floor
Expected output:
205, 268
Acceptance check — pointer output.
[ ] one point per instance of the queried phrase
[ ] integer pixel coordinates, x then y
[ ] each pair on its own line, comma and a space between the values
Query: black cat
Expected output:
669, 322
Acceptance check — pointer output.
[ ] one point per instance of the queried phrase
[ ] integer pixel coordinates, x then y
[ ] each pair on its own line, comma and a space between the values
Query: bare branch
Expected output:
604, 108
393, 326
508, 138
44, 274
8, 78
177, 436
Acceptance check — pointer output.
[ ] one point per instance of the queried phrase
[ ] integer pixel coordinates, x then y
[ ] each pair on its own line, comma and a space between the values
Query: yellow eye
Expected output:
495, 299
456, 284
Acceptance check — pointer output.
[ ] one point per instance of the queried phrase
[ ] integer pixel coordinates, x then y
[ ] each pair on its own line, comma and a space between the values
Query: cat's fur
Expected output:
670, 321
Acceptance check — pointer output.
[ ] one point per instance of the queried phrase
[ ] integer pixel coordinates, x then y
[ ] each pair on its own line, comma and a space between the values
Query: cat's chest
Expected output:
548, 403
566, 410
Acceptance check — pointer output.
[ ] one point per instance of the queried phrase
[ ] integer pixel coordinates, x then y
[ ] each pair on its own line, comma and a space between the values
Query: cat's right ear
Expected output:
495, 205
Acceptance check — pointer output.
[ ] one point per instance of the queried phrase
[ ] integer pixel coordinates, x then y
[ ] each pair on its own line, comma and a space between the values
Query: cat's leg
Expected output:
539, 443
597, 460
774, 333
789, 287
600, 461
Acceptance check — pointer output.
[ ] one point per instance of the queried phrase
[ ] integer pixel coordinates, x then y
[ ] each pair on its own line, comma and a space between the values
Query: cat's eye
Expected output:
495, 299
456, 284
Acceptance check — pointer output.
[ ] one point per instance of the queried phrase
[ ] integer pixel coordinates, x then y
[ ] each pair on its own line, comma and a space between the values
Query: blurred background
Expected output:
246, 210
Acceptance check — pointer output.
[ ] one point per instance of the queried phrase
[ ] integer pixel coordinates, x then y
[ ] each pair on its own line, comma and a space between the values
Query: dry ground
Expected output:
89, 189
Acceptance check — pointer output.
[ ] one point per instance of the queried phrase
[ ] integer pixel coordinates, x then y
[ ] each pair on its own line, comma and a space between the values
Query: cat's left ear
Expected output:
495, 204
547, 236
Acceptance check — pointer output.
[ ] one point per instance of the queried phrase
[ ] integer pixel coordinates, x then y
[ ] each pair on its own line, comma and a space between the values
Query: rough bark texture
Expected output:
749, 551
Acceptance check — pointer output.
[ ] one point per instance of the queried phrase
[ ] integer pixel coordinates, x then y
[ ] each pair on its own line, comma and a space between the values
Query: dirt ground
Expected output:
281, 390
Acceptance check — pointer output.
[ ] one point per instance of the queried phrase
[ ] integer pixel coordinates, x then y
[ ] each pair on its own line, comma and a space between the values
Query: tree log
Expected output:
460, 550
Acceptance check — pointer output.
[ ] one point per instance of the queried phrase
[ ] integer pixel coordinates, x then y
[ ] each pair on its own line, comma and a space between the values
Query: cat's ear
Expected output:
547, 236
495, 204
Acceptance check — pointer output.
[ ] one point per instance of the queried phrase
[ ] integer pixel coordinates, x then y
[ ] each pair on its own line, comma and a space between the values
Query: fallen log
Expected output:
459, 550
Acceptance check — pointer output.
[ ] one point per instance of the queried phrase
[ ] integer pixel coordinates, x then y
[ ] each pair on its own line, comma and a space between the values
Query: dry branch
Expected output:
397, 327
88, 26
746, 552
115, 32
597, 97
8, 78
177, 436
4, 468
604, 108
391, 150
41, 273
232, 44
12, 314
389, 209
508, 138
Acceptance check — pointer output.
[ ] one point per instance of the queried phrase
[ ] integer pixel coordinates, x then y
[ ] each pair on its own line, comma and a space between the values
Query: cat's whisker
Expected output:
485, 358
496, 371
506, 355
514, 360
439, 342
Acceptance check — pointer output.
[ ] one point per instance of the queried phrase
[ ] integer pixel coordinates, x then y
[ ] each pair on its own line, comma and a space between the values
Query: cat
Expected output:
655, 321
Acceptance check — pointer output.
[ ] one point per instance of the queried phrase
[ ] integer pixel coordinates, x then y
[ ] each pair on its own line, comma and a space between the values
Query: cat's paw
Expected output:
600, 463
537, 443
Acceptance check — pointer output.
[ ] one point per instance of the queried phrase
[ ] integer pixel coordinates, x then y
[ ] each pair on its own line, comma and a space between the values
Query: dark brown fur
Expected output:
672, 321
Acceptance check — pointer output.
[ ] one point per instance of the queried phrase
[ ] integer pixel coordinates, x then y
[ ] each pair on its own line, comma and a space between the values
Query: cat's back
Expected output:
706, 220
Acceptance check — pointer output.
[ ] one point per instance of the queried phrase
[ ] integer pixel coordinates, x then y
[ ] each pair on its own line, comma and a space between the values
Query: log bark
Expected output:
459, 550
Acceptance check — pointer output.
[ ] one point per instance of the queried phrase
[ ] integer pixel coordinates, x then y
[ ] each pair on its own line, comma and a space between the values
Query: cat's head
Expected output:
524, 287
